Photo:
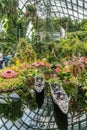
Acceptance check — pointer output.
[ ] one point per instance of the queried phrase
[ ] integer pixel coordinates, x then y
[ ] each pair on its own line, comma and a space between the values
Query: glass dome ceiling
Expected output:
76, 9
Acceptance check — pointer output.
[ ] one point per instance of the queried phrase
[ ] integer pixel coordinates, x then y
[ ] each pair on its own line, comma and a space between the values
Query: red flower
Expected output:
57, 70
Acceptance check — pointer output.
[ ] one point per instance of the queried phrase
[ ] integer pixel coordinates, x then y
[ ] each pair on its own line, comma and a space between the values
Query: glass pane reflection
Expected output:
28, 119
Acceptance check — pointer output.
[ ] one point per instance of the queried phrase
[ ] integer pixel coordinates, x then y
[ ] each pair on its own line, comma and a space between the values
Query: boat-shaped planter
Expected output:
39, 83
61, 105
60, 97
39, 90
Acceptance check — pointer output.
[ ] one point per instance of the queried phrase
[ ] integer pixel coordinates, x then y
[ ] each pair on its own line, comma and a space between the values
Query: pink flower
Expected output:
53, 75
59, 65
57, 70
38, 64
65, 69
65, 81
65, 63
9, 74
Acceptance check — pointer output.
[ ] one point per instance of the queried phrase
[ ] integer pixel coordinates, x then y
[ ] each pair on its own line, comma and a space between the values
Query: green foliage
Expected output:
8, 5
69, 47
20, 25
9, 10
82, 90
68, 24
51, 24
40, 48
31, 9
31, 100
51, 52
81, 35
11, 83
83, 81
25, 52
11, 110
42, 25
54, 80
83, 25
54, 24
6, 47
30, 15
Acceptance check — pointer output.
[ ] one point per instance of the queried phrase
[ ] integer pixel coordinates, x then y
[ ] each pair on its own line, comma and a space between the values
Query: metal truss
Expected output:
76, 9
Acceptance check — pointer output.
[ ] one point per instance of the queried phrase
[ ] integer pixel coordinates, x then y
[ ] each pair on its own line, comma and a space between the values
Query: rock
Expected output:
2, 101
14, 97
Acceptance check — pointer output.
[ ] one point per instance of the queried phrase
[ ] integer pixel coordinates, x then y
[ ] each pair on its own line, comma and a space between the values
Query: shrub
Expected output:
25, 52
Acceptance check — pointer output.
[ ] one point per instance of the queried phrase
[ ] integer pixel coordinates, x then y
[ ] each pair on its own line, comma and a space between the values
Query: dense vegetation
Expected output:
72, 49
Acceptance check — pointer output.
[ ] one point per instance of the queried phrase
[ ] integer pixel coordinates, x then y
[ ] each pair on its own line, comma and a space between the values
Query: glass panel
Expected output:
65, 10
80, 3
57, 2
75, 8
62, 15
54, 8
60, 9
66, 15
68, 0
69, 5
63, 4
85, 5
52, 14
70, 12
74, 1
52, 2
80, 16
75, 14
85, 12
80, 10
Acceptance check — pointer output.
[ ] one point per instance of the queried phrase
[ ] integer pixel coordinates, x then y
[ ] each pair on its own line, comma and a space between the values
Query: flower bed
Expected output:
70, 74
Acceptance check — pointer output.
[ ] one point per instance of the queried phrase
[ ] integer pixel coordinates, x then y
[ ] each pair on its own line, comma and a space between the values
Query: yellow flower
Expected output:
17, 62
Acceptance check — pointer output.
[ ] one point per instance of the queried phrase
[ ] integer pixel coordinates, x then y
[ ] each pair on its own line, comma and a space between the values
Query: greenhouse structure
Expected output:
43, 64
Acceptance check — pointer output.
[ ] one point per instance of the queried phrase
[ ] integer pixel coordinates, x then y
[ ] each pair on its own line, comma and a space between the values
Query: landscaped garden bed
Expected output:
26, 64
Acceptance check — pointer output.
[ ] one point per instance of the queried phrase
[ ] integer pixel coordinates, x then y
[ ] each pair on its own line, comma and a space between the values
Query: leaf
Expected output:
3, 5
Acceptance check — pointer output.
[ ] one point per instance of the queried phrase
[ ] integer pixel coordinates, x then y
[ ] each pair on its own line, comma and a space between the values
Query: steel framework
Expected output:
76, 9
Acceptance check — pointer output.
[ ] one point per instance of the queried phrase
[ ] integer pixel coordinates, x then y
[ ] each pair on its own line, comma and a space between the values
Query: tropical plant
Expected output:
40, 48
69, 47
83, 25
25, 52
81, 35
